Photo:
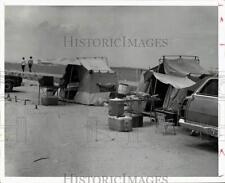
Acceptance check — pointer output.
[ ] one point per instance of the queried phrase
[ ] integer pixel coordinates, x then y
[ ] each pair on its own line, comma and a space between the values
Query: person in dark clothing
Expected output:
30, 64
23, 64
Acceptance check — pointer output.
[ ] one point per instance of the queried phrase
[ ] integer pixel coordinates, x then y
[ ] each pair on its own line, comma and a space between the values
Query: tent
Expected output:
96, 79
171, 80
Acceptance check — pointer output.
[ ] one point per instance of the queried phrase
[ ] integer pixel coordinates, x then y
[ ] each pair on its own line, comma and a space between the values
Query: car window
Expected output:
210, 88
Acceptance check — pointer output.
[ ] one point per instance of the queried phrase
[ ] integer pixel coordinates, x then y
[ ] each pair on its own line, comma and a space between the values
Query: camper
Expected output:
87, 80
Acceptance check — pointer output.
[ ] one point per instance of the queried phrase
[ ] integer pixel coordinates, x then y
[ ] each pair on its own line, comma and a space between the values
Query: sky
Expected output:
39, 31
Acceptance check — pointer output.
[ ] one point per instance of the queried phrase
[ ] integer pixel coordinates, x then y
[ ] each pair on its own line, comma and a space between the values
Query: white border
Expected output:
114, 2
221, 109
2, 106
221, 56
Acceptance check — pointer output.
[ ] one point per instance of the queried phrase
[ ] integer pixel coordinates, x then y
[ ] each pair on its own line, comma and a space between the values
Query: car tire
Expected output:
194, 133
8, 86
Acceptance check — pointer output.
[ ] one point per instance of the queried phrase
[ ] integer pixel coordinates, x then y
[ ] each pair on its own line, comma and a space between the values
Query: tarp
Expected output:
182, 67
175, 81
90, 92
92, 85
174, 98
142, 85
95, 64
179, 73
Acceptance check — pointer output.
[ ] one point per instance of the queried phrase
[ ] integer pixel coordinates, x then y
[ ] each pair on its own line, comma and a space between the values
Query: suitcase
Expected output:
137, 120
121, 124
49, 100
116, 107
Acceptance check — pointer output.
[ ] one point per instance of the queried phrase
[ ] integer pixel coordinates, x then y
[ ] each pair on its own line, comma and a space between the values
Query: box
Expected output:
121, 124
137, 120
116, 107
49, 100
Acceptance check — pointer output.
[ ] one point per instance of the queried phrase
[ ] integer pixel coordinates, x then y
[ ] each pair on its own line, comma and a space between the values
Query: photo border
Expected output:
221, 63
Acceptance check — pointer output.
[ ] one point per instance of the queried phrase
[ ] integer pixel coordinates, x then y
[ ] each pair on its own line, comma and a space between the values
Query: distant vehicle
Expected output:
200, 110
12, 81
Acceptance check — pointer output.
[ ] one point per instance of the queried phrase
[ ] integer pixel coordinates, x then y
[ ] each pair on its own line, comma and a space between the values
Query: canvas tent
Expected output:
94, 76
171, 80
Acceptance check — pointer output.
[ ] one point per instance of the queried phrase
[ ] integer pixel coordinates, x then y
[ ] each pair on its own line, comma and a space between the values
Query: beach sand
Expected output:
75, 139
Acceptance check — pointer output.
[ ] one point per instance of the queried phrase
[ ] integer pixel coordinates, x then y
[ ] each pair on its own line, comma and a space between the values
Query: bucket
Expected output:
123, 89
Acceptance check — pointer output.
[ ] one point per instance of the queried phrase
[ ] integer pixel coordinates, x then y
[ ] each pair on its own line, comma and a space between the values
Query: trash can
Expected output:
116, 107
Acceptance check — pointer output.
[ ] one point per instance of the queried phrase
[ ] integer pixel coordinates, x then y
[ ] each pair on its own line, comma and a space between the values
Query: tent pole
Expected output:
70, 80
155, 83
156, 79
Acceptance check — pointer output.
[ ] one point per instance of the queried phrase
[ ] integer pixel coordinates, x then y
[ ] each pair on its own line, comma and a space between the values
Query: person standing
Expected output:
23, 64
30, 63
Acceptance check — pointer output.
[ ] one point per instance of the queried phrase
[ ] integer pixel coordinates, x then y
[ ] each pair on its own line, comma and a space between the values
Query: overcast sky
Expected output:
39, 32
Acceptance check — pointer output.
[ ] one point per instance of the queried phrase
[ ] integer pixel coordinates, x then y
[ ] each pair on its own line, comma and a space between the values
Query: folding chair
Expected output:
165, 122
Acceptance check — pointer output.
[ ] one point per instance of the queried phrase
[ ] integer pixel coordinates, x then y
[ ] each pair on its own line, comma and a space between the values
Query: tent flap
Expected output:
182, 67
175, 81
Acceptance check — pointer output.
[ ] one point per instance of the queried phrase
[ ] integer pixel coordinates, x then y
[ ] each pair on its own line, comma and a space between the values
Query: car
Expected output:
200, 110
12, 81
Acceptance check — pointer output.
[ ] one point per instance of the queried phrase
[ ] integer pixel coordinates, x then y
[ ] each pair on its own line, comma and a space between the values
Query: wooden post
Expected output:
39, 94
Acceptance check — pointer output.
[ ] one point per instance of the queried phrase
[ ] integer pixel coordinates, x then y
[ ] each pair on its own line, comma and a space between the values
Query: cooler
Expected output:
122, 124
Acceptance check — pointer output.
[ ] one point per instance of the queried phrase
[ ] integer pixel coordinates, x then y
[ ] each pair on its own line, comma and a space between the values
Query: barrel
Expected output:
116, 107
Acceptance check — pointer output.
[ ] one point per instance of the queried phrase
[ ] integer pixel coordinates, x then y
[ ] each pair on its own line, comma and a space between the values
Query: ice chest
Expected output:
116, 107
121, 124
49, 100
137, 120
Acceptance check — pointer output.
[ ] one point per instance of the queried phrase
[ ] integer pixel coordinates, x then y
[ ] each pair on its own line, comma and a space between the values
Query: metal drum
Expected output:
116, 107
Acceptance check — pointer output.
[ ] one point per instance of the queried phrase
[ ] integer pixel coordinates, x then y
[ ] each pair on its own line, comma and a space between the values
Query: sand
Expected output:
73, 138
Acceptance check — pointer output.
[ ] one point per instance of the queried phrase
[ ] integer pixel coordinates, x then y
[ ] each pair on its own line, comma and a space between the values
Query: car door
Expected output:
203, 105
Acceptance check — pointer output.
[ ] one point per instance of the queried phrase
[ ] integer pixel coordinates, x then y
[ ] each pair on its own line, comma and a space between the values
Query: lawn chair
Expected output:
166, 122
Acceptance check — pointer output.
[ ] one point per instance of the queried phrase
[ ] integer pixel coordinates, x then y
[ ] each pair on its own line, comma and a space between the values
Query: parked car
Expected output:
12, 81
200, 109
